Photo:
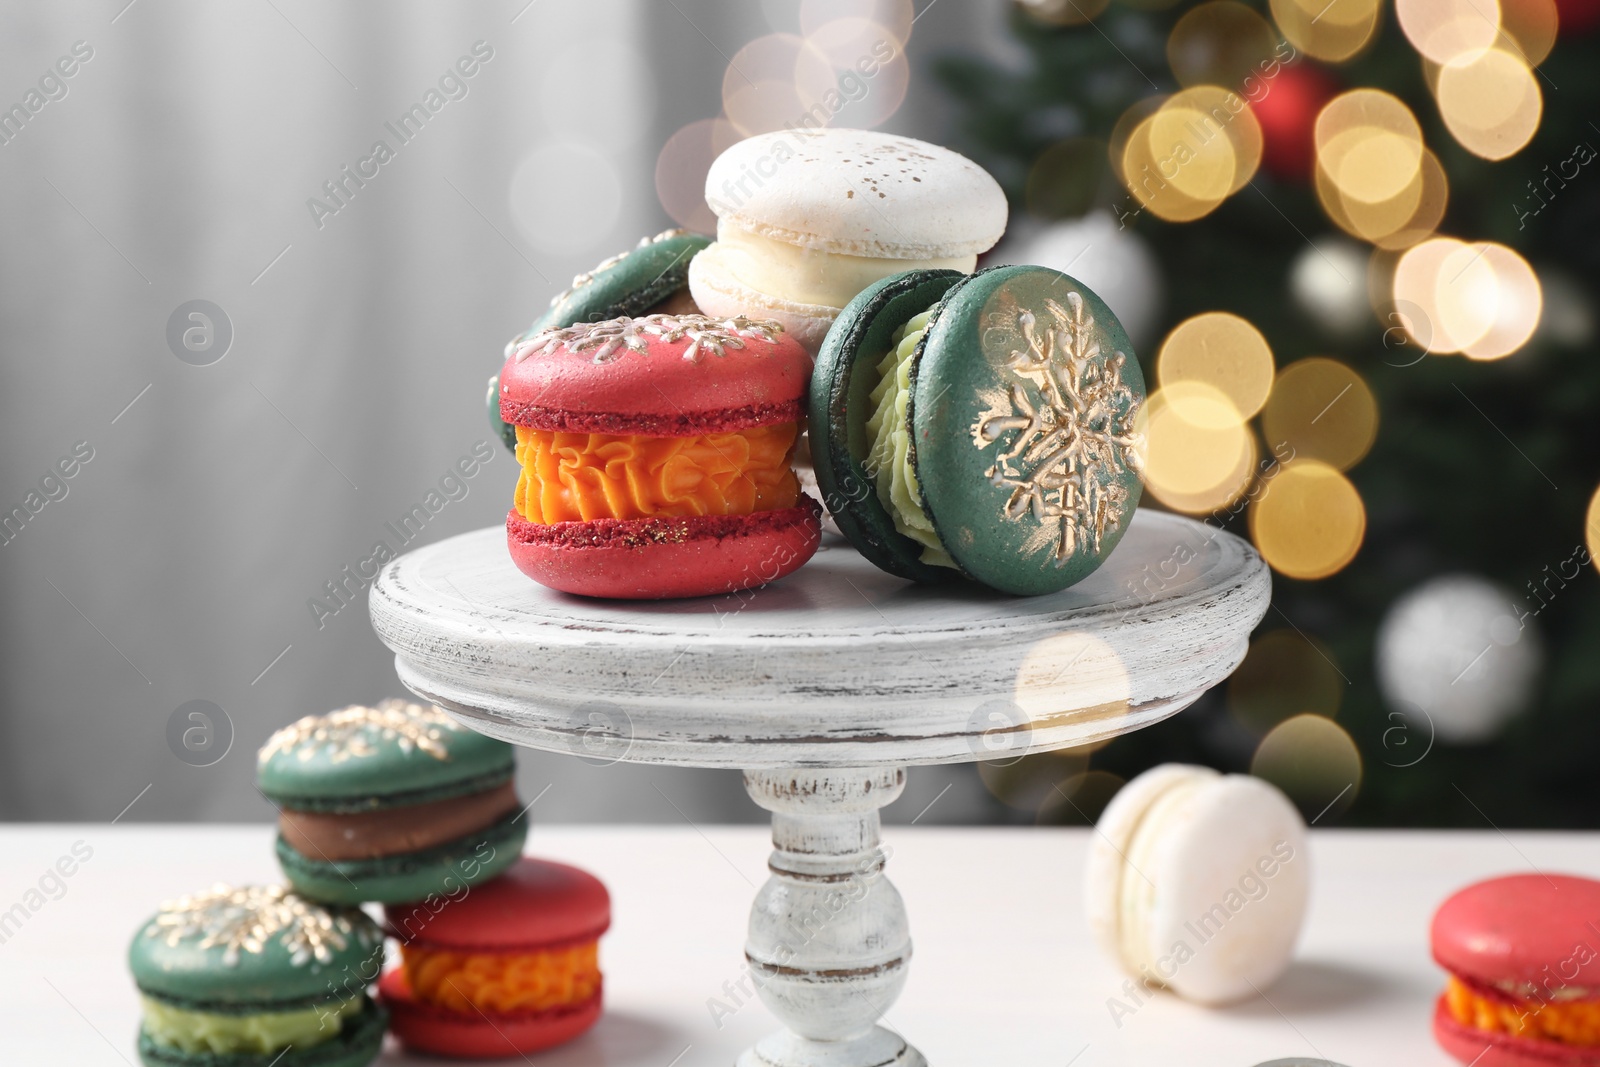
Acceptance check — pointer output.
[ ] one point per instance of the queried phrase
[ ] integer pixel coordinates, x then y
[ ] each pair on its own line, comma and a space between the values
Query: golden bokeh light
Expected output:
760, 88
851, 65
1034, 781
1220, 42
1591, 527
1517, 300
1197, 148
1490, 102
1223, 351
1067, 12
1079, 799
1284, 674
1528, 28
1442, 30
1369, 145
1431, 204
1308, 522
1199, 453
1322, 410
1315, 762
1085, 663
1331, 32
1123, 129
681, 171
1482, 299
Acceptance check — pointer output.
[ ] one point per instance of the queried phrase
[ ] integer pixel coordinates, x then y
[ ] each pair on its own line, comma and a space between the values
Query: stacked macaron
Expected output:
961, 426
396, 804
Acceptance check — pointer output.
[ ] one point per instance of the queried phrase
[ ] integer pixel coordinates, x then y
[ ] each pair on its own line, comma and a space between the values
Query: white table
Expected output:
1006, 974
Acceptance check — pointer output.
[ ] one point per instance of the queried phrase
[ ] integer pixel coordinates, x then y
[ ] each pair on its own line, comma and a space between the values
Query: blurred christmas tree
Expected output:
1395, 211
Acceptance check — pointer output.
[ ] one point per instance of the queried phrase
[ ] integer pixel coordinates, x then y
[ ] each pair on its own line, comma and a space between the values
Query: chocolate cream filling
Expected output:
393, 831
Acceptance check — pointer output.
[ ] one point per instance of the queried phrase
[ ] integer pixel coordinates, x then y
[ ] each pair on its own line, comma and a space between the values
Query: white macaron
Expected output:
1198, 882
809, 218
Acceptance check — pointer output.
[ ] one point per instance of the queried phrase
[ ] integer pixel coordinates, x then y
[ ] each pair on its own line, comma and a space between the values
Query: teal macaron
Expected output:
392, 804
979, 426
632, 283
257, 975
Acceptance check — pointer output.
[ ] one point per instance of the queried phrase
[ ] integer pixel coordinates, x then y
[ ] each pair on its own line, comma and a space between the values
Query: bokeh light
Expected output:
1315, 762
1431, 204
1034, 781
1284, 674
1321, 409
1199, 453
1197, 148
681, 171
1079, 799
1369, 145
1482, 299
1444, 29
853, 72
1223, 351
1529, 28
760, 88
1331, 32
1071, 12
1083, 663
1592, 529
1490, 101
1308, 521
1221, 42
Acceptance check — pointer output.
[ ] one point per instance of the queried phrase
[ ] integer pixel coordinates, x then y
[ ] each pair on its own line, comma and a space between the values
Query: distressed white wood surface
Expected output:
839, 664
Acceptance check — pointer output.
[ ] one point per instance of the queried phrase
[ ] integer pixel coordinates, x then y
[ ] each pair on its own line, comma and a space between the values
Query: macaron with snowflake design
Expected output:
393, 803
650, 278
979, 426
656, 456
257, 975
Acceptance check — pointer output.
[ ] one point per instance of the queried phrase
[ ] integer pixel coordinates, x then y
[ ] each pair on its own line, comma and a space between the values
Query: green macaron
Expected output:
393, 804
631, 283
979, 426
258, 975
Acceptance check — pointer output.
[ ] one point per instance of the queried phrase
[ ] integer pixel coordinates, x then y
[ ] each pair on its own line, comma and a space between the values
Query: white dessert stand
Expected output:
823, 688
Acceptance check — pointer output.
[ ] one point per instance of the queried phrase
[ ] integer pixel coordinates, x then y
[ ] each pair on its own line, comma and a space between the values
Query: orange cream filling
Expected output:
572, 477
1574, 1023
505, 983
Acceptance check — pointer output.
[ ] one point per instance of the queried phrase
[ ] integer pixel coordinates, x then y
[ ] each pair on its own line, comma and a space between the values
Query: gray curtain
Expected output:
214, 503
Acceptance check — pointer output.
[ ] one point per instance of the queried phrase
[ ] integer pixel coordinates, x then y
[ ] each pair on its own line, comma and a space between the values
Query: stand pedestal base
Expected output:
829, 943
878, 1048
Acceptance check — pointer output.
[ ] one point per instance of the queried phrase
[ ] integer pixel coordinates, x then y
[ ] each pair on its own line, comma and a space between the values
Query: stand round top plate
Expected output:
822, 688
838, 665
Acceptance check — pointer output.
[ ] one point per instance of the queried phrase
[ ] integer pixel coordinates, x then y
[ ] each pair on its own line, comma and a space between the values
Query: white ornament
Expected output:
1113, 261
1329, 283
1460, 651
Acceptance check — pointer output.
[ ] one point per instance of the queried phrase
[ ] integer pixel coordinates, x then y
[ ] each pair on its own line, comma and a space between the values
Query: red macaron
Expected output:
1523, 954
506, 968
656, 456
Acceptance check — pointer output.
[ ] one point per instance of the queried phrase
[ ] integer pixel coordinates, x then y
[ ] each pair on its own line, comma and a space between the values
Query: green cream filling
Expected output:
265, 1032
889, 460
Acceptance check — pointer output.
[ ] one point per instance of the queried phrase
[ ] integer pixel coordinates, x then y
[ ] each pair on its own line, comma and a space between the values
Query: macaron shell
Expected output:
636, 282
1107, 863
361, 758
537, 903
971, 396
1213, 853
719, 294
661, 558
434, 872
275, 973
841, 387
1527, 929
429, 1028
858, 192
358, 1043
1482, 1049
670, 387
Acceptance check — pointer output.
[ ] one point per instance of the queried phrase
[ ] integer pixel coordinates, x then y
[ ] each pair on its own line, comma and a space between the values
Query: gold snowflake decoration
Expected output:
247, 919
353, 732
581, 280
1067, 447
610, 339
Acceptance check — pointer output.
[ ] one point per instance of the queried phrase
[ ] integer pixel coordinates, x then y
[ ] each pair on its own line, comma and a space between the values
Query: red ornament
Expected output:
1578, 16
1286, 106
